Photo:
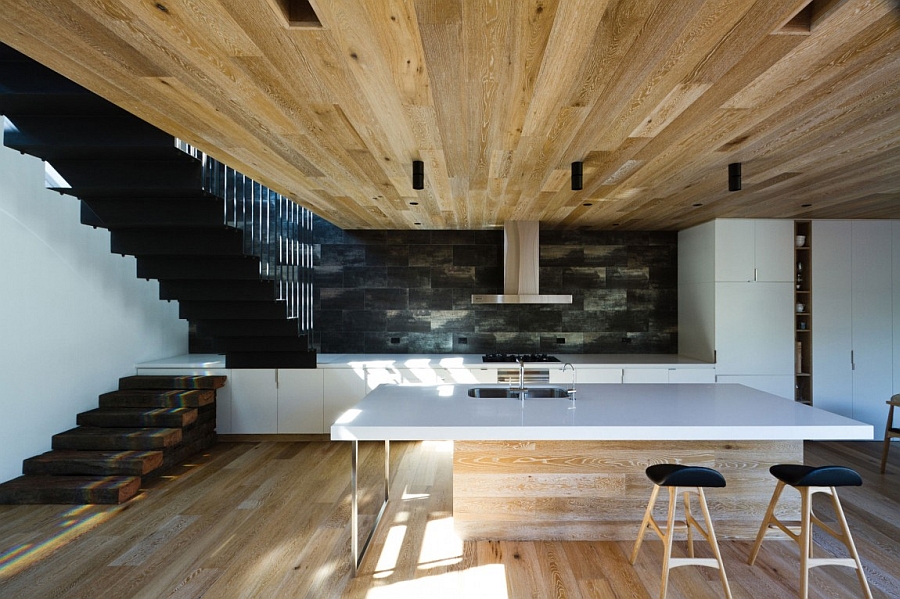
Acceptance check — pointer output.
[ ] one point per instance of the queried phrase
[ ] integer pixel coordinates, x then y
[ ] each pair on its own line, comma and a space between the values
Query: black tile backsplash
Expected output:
410, 292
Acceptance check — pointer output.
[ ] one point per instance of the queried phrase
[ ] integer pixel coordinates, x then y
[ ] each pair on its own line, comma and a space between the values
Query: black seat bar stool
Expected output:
809, 481
690, 480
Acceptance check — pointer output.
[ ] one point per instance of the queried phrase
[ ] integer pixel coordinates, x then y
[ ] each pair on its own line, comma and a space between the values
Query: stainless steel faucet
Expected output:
571, 390
521, 386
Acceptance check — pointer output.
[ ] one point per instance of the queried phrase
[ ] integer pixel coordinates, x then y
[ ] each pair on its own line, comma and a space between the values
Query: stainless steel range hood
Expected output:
521, 260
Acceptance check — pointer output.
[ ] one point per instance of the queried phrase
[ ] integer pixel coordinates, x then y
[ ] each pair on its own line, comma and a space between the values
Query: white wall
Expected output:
73, 317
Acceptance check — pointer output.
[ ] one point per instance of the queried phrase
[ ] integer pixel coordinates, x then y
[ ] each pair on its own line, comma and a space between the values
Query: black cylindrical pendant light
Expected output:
577, 175
418, 174
734, 176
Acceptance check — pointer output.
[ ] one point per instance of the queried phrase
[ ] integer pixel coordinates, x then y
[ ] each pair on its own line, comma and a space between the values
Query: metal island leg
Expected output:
357, 554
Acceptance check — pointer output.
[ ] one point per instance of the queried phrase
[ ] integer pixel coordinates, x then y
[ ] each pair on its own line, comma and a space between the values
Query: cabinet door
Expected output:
754, 250
586, 375
754, 328
774, 250
468, 376
254, 401
831, 317
300, 401
645, 375
735, 250
872, 321
343, 389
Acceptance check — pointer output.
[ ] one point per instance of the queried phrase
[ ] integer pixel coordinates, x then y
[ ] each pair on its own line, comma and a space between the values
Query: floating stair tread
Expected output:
35, 489
150, 398
138, 417
96, 463
172, 382
98, 438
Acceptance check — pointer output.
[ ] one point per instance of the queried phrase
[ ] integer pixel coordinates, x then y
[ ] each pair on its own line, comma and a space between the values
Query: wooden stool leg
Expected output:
667, 539
767, 519
804, 541
848, 542
713, 542
645, 524
688, 517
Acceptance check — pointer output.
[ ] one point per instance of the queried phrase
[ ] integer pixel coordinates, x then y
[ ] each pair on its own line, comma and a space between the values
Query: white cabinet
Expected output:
754, 250
254, 407
736, 299
300, 401
853, 314
343, 389
692, 375
754, 329
645, 375
586, 375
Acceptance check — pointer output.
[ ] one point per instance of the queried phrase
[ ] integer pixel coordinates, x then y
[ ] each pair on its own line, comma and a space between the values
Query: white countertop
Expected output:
449, 361
475, 361
624, 412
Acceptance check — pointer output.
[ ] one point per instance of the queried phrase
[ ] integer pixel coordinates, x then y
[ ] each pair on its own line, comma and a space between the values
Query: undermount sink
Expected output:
531, 393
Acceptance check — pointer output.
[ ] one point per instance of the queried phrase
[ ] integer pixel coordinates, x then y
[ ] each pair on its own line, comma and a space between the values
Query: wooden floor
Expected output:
271, 519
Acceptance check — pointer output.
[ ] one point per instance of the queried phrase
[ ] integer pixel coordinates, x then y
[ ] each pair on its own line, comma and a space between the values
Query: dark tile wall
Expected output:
410, 292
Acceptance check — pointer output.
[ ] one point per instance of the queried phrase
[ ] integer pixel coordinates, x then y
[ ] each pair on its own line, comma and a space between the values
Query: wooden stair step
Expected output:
149, 398
98, 463
138, 417
172, 382
34, 489
96, 438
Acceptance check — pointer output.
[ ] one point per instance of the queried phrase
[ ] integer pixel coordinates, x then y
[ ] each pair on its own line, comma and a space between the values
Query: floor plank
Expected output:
271, 519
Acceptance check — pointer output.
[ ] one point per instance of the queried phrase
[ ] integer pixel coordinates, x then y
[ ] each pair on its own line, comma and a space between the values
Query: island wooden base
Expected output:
597, 490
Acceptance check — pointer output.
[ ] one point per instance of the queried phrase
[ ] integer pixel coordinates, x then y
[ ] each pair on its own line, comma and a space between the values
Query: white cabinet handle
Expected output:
755, 275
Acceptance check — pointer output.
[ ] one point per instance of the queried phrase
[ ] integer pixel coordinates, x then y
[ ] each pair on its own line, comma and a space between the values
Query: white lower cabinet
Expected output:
586, 375
254, 408
692, 375
300, 401
343, 389
645, 375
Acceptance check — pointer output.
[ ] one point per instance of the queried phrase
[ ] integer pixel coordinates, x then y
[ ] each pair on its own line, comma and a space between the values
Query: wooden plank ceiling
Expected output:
498, 97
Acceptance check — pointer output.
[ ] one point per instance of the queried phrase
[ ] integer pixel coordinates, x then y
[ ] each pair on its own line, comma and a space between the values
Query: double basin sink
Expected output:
530, 393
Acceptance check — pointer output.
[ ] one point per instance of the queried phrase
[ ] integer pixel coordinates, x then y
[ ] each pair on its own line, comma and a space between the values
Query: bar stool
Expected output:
809, 481
690, 480
889, 430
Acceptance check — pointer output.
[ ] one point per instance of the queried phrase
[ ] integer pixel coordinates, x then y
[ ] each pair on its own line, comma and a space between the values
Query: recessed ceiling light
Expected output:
414, 203
805, 205
417, 223
697, 205
587, 204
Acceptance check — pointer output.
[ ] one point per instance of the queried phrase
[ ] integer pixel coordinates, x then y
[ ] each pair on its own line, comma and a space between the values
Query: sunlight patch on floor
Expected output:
440, 545
393, 543
484, 582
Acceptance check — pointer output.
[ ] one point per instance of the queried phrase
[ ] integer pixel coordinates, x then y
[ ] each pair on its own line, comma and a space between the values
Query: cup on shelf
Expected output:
800, 240
801, 307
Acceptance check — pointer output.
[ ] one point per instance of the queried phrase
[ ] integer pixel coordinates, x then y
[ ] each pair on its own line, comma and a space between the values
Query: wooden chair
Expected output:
889, 430
809, 481
690, 480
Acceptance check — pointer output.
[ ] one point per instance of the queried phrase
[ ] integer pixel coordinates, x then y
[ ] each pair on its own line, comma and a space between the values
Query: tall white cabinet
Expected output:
853, 284
735, 296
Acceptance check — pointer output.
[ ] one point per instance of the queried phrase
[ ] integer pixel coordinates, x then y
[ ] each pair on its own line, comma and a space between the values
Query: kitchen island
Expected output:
555, 468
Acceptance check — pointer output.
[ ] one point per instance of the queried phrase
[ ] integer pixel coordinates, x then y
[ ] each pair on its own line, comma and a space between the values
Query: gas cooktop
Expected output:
517, 357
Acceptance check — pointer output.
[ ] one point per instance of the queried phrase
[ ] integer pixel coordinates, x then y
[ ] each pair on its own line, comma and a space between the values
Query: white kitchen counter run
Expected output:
620, 412
450, 361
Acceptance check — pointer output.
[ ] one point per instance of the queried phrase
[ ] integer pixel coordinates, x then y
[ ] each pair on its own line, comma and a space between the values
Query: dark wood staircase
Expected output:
147, 426
154, 199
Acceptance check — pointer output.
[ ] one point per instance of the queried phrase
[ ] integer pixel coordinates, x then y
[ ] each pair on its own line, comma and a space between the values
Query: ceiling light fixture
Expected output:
577, 175
418, 175
734, 176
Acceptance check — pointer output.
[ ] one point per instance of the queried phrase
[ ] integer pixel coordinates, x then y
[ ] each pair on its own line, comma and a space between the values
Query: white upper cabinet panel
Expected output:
754, 329
774, 250
735, 250
754, 250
